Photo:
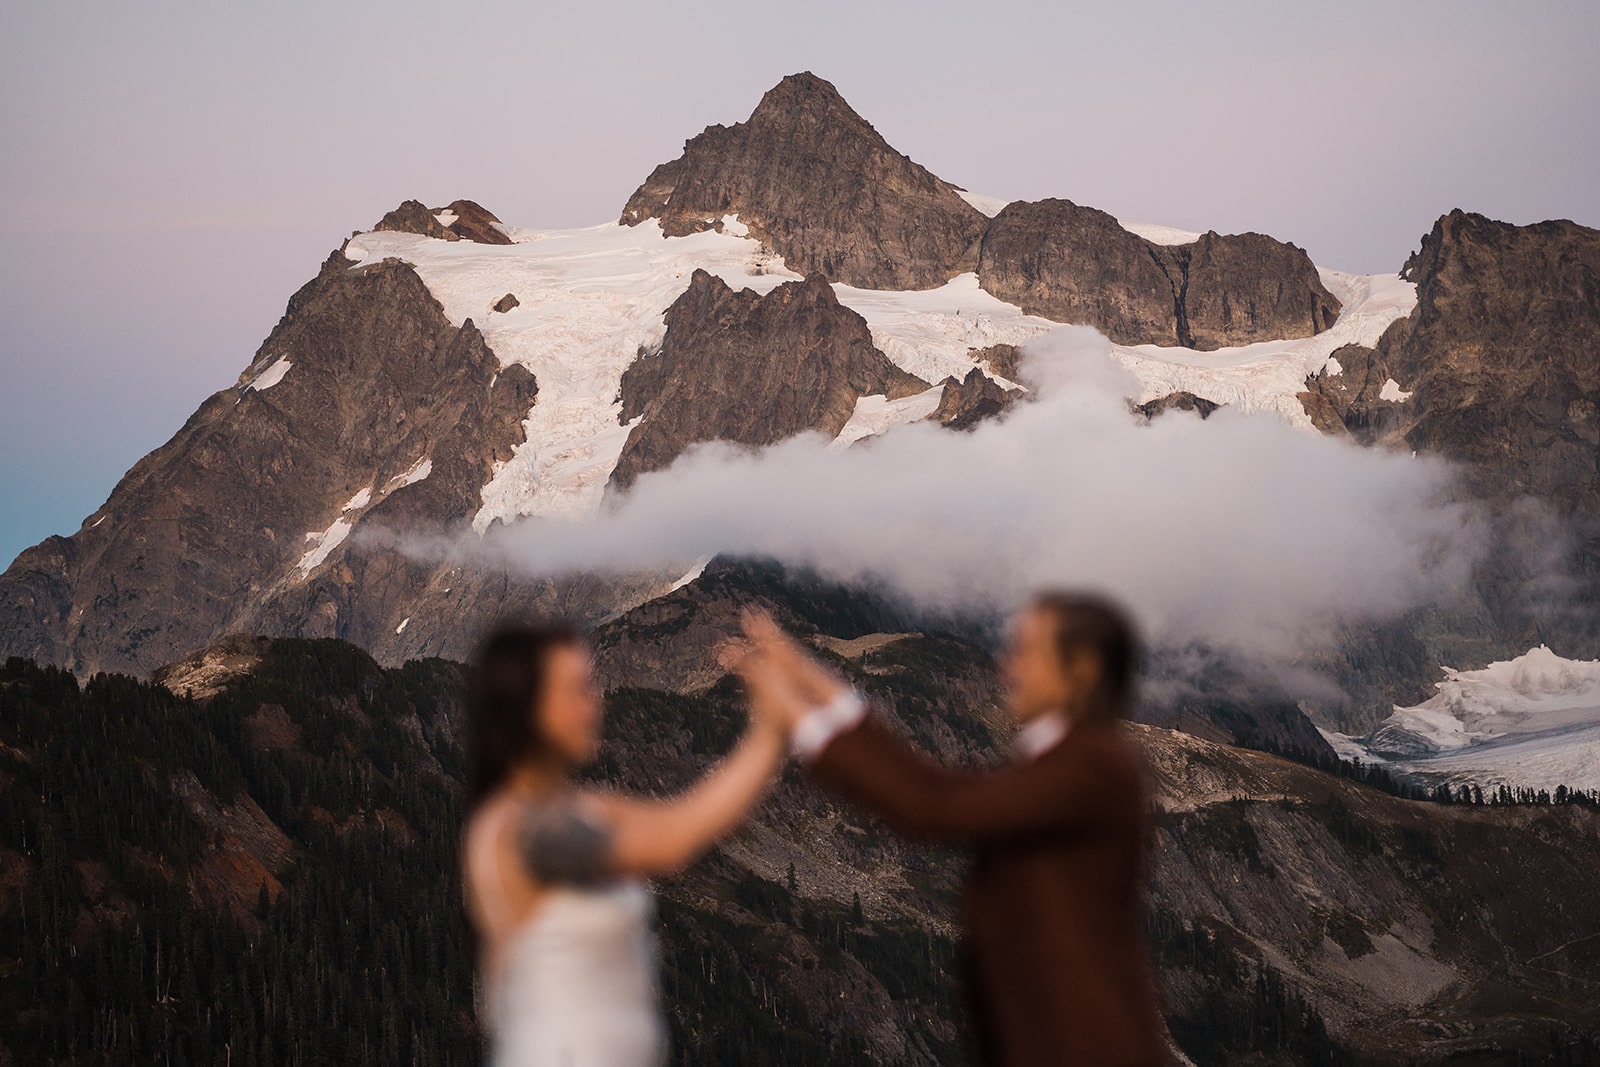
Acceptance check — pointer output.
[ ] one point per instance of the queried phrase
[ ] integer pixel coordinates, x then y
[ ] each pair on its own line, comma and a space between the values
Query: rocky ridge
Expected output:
1495, 369
1076, 264
364, 404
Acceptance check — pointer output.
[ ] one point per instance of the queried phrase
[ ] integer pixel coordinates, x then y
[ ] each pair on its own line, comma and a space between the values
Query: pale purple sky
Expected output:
172, 172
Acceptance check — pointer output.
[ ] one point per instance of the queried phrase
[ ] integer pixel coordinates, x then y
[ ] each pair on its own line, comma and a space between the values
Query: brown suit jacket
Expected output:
1056, 965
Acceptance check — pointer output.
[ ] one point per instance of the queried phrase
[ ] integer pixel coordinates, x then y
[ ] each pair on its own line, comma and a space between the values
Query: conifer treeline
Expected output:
132, 931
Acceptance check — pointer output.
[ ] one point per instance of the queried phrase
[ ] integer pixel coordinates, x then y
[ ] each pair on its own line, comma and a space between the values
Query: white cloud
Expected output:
1236, 531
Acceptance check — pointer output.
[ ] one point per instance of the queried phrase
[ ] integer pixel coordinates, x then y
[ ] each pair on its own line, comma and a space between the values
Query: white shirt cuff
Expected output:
823, 723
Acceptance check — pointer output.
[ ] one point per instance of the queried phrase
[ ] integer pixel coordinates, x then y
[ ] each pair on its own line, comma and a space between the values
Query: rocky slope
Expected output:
1495, 369
814, 180
364, 403
753, 369
1495, 365
1076, 264
301, 813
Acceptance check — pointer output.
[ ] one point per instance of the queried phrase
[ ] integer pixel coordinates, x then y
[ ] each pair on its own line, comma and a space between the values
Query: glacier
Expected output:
1532, 721
592, 300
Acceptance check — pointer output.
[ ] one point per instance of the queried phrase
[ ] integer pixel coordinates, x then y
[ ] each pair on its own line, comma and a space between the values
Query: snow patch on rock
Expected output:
987, 205
323, 543
1391, 391
593, 299
877, 413
271, 376
1160, 235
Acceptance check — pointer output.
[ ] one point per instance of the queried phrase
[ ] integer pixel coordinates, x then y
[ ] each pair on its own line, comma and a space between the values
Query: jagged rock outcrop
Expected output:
412, 216
817, 183
1182, 400
739, 366
467, 221
967, 402
1077, 264
207, 671
1002, 359
364, 404
506, 303
474, 222
1346, 396
1500, 354
1494, 369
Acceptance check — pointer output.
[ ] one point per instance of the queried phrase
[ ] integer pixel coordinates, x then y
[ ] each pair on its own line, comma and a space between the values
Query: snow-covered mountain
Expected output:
449, 370
1531, 722
588, 301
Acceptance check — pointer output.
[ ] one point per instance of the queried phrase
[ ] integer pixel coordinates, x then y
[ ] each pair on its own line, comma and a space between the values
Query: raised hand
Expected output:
774, 701
813, 683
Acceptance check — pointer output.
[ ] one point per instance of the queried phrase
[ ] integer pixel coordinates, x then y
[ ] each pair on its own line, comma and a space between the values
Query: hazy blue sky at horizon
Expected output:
171, 173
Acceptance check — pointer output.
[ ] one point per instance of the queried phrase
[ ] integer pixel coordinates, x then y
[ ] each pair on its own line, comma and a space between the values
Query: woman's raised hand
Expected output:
811, 682
774, 702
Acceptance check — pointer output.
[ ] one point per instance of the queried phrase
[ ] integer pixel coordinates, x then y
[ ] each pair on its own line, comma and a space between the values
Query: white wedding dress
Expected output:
574, 983
577, 984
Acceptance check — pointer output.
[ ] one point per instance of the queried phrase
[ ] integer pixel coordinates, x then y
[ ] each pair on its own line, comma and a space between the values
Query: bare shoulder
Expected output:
484, 837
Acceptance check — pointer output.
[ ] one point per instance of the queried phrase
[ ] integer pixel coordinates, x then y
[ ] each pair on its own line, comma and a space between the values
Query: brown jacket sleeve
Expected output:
1081, 783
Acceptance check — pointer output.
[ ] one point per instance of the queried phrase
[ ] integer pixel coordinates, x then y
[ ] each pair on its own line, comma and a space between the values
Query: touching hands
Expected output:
813, 683
775, 705
784, 681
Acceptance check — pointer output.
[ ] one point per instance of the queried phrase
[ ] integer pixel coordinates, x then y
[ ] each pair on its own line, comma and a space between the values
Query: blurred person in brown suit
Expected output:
1056, 968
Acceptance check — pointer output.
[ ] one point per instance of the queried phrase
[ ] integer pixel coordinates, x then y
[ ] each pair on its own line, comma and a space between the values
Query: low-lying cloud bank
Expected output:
1237, 531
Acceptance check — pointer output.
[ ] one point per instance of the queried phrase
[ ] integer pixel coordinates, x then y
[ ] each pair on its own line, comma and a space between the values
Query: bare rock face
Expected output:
506, 303
1077, 264
207, 671
1495, 368
471, 222
1248, 287
817, 183
752, 369
1500, 359
1500, 355
364, 404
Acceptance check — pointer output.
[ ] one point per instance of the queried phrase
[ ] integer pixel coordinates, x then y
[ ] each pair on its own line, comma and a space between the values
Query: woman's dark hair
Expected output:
1099, 625
505, 678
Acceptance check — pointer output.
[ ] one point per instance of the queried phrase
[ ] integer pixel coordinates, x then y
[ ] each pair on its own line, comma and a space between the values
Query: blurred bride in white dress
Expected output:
555, 871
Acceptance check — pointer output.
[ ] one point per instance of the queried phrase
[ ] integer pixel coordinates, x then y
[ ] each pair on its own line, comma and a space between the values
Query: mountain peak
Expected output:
462, 220
813, 179
804, 93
